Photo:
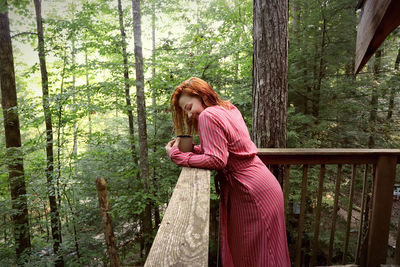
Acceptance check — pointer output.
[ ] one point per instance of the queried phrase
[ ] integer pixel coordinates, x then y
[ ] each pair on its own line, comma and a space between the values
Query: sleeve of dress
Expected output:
213, 142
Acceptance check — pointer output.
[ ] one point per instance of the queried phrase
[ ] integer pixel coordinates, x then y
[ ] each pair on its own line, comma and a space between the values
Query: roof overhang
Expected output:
378, 19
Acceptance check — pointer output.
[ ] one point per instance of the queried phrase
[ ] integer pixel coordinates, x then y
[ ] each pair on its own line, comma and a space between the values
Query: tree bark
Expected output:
142, 127
270, 72
54, 214
20, 216
126, 81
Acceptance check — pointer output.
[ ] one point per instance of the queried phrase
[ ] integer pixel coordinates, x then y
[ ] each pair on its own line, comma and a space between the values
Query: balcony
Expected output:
325, 182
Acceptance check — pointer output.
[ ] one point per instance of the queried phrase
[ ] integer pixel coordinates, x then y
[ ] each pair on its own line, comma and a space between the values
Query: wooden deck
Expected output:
380, 164
182, 239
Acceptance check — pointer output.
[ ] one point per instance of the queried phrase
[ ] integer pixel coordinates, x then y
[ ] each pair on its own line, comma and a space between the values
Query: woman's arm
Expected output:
213, 142
190, 159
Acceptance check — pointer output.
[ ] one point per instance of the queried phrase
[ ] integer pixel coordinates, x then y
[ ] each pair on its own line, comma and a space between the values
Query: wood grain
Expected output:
182, 239
323, 155
378, 20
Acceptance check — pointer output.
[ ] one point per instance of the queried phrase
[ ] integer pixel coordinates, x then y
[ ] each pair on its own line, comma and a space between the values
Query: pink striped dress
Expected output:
252, 225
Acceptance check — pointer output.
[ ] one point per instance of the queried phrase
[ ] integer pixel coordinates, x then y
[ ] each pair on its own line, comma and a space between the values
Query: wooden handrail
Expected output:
324, 155
182, 239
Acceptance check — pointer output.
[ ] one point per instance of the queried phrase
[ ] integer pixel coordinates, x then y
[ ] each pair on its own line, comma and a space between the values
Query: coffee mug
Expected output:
186, 143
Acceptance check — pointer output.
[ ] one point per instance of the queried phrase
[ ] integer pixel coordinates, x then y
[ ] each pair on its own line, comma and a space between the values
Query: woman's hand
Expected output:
171, 144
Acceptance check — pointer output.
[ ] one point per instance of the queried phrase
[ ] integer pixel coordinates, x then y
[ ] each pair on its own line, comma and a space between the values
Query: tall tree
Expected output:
270, 68
157, 219
142, 127
320, 73
89, 102
16, 175
126, 79
54, 213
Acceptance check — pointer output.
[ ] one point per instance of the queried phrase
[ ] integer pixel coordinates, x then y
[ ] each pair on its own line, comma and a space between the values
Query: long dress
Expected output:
252, 225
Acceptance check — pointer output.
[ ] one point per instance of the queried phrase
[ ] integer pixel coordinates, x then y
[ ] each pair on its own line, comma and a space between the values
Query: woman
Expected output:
252, 226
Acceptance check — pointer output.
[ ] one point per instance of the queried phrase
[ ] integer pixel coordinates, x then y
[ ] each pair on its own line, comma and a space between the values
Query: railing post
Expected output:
381, 210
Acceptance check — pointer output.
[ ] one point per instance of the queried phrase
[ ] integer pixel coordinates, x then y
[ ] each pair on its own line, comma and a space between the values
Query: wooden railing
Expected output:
383, 164
182, 239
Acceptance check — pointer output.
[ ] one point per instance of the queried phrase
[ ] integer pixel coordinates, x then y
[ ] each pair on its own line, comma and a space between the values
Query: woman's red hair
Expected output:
195, 87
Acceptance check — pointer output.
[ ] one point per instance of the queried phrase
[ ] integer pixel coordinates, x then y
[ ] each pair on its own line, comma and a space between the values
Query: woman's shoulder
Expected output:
218, 114
217, 111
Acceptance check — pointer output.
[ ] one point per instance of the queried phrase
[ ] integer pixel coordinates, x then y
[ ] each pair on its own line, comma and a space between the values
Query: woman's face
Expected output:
191, 105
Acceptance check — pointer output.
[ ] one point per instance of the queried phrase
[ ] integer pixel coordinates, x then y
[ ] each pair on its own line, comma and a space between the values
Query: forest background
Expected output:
92, 103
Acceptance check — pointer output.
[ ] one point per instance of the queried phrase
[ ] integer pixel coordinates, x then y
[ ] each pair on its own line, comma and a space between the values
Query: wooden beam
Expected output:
182, 239
381, 210
323, 155
379, 18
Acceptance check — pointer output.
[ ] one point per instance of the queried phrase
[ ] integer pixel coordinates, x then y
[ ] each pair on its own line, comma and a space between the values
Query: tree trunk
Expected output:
126, 81
46, 222
89, 102
54, 215
295, 15
59, 117
75, 128
374, 101
321, 73
141, 110
59, 127
393, 89
270, 71
16, 176
157, 219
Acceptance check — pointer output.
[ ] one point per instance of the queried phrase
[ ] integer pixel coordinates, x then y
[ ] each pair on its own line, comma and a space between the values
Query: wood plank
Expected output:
362, 212
349, 212
302, 215
182, 239
326, 151
379, 18
381, 210
322, 156
334, 212
397, 250
315, 244
286, 189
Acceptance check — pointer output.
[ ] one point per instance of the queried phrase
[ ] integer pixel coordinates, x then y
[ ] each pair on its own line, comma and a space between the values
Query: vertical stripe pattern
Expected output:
252, 224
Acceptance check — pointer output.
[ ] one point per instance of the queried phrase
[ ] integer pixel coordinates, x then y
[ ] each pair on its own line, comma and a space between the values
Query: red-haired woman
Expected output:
252, 225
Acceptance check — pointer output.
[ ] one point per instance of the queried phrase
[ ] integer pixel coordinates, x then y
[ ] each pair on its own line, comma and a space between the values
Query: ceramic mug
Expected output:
186, 143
